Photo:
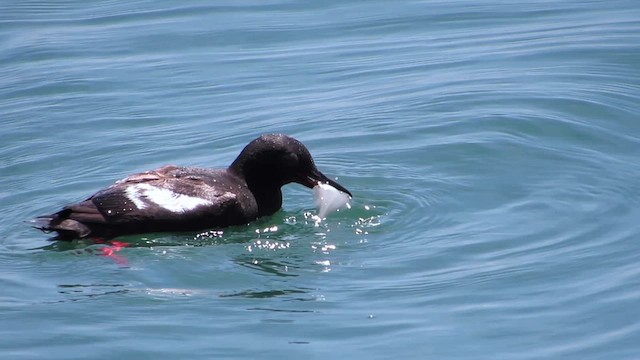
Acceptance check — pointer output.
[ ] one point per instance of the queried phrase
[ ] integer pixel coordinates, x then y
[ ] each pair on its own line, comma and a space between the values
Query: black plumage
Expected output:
174, 198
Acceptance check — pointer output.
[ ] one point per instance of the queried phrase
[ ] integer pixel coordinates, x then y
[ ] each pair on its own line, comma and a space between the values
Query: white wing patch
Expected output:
139, 194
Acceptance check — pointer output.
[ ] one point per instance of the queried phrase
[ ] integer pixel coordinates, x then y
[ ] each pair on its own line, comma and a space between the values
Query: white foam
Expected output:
329, 199
165, 198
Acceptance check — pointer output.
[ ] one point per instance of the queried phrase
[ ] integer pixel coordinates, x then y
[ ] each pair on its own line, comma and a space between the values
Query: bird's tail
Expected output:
61, 223
42, 223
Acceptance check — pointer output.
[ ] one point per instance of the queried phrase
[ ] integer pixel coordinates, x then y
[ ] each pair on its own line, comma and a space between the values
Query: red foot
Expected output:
111, 250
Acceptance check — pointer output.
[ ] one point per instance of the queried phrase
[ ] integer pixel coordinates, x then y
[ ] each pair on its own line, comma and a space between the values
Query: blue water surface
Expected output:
492, 148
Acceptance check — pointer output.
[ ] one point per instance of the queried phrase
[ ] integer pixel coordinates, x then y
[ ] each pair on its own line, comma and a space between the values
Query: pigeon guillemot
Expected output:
174, 198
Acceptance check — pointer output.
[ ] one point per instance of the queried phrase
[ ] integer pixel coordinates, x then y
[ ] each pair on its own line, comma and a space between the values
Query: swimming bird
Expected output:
174, 198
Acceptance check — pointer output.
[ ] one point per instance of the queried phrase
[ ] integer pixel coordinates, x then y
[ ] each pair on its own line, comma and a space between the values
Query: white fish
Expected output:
329, 199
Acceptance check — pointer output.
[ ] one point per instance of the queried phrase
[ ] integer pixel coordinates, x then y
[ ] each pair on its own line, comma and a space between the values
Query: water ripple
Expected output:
492, 151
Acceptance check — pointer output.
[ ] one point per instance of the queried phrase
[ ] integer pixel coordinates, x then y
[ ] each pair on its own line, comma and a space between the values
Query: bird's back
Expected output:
170, 198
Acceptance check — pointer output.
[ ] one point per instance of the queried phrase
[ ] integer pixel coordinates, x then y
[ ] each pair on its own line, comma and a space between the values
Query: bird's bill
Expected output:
311, 180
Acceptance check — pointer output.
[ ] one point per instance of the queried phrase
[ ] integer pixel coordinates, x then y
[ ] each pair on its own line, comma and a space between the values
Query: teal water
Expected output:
492, 148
